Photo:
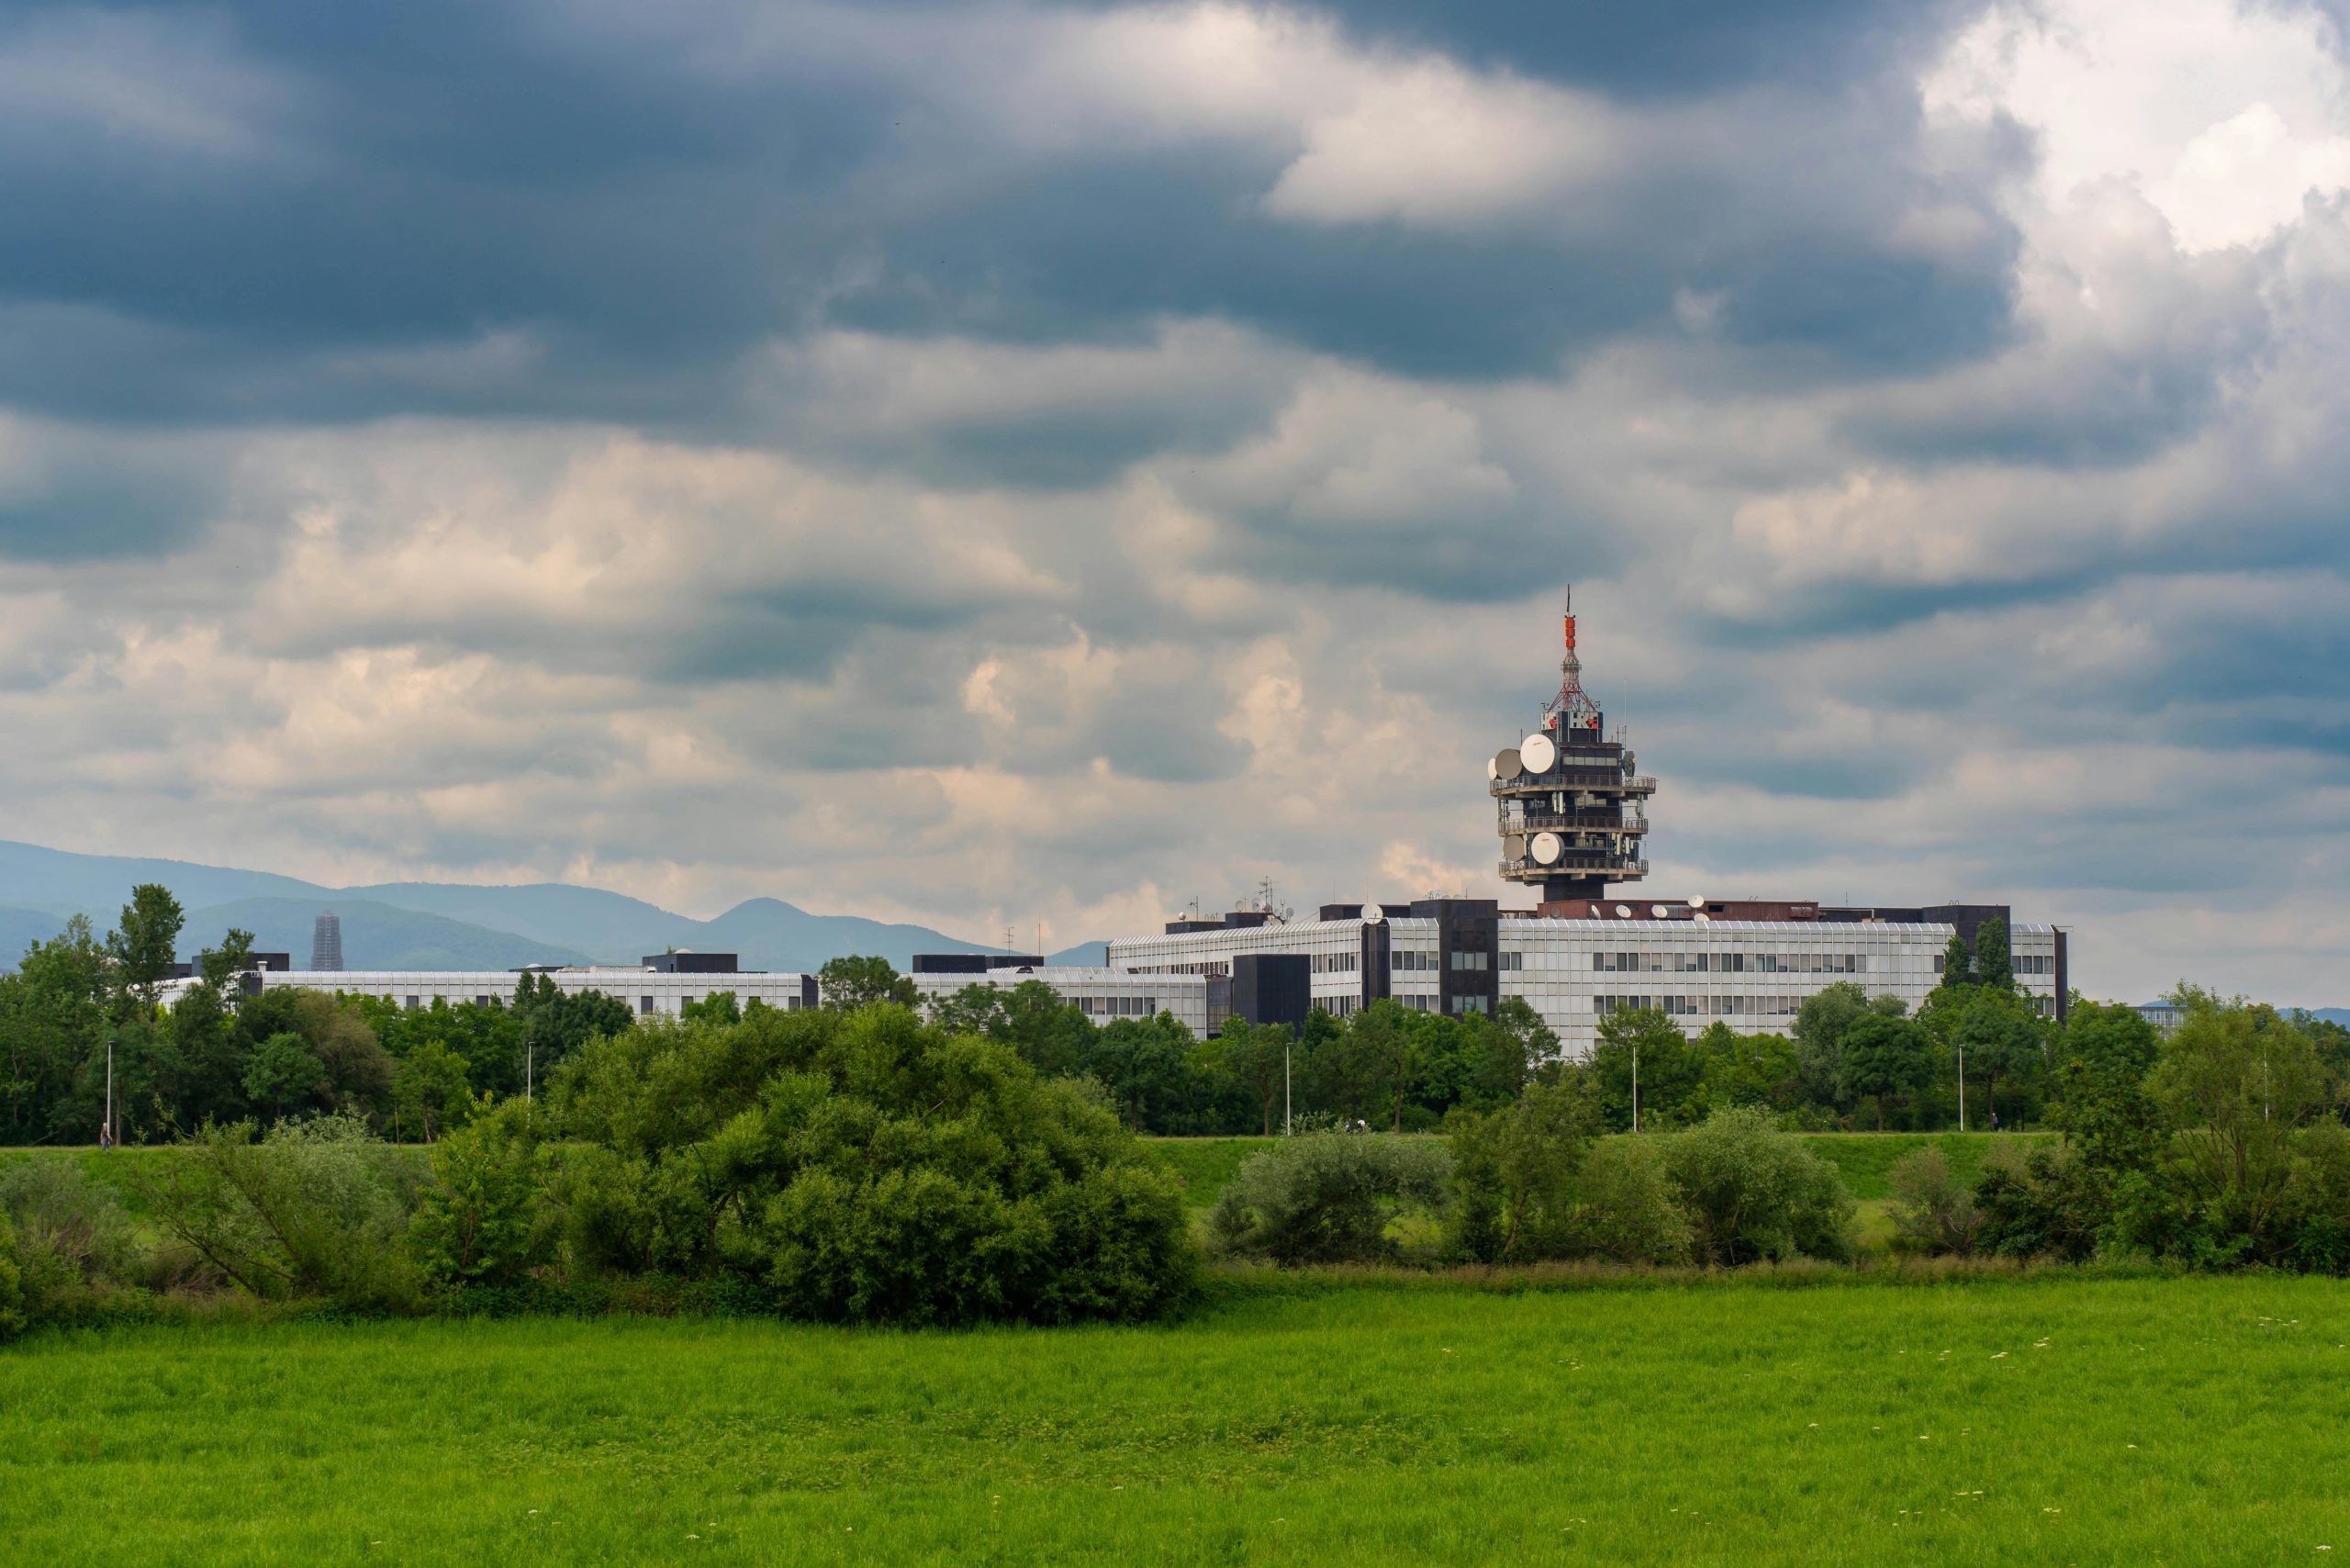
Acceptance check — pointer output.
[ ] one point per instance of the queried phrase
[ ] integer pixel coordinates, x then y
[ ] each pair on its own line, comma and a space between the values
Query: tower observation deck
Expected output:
1570, 804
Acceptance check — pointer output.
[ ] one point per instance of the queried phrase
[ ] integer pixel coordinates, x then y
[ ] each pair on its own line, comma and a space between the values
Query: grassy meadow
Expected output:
2051, 1418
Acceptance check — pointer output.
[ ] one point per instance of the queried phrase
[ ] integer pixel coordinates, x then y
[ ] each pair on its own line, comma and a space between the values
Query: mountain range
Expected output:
440, 925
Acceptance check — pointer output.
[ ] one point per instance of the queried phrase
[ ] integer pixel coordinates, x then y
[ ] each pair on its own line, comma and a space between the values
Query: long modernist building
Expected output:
659, 987
1571, 813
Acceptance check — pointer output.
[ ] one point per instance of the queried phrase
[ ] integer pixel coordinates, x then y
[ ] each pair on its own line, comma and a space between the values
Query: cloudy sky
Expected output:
1036, 463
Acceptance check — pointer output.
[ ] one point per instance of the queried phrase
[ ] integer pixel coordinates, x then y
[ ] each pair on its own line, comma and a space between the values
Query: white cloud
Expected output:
2224, 116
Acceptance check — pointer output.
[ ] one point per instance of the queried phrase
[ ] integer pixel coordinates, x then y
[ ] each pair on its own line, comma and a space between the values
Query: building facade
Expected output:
1200, 1002
648, 991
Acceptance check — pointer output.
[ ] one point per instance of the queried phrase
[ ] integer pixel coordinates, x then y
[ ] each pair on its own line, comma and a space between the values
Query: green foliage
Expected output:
1329, 1197
1932, 1211
484, 1218
283, 1075
848, 984
555, 1027
1882, 1058
316, 1208
717, 1007
1752, 1192
1255, 1059
1641, 1047
1958, 962
1994, 965
1818, 1035
2046, 1202
863, 1167
430, 1091
1746, 1070
1536, 1181
1517, 1171
13, 1317
144, 945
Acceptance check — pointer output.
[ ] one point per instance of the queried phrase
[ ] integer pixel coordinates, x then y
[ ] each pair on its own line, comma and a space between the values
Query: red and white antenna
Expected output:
1572, 707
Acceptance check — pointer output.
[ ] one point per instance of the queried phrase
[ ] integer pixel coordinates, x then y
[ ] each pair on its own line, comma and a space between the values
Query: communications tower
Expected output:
1571, 804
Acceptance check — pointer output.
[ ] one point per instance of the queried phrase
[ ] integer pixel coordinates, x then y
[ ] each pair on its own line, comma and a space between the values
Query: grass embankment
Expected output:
1865, 1159
2172, 1420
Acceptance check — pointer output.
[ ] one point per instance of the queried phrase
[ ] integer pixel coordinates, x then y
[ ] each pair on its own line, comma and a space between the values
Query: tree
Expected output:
52, 1022
1255, 1056
283, 1075
429, 1090
2236, 1080
848, 984
1146, 1064
1882, 1058
1327, 1197
1995, 1036
717, 1007
144, 945
1993, 967
1819, 1034
1518, 1169
1747, 1069
210, 1049
1958, 962
1642, 1046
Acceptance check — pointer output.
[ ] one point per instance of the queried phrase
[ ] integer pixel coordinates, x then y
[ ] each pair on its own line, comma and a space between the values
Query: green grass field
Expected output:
2182, 1421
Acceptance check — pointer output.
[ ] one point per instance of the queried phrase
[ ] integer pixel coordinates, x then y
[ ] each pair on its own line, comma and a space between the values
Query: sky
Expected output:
1032, 465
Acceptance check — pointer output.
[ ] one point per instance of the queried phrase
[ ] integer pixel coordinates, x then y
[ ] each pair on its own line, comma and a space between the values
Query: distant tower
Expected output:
326, 943
1571, 804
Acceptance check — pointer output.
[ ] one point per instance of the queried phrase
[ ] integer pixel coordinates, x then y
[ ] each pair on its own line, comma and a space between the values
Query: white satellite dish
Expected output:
1546, 847
1493, 767
1536, 752
1623, 912
1696, 902
1506, 763
1660, 911
1373, 914
1704, 919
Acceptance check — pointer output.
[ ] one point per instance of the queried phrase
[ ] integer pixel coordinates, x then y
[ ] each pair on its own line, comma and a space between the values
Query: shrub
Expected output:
1752, 1192
1328, 1198
72, 1238
2052, 1203
1517, 1169
1626, 1209
14, 1318
483, 1218
863, 1167
1932, 1211
316, 1208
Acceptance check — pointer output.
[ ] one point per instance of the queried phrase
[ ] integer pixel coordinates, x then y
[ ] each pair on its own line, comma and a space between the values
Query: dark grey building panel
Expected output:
1272, 988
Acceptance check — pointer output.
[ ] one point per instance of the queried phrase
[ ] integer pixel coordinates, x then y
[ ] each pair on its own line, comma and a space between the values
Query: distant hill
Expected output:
480, 928
1084, 956
2333, 1015
374, 936
20, 928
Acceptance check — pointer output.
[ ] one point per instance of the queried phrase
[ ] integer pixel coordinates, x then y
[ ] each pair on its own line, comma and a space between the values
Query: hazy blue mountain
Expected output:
499, 927
99, 885
375, 936
2333, 1015
1084, 956
608, 926
20, 928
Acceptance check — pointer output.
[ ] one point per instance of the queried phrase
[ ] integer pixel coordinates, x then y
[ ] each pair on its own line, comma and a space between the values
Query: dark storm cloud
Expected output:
606, 234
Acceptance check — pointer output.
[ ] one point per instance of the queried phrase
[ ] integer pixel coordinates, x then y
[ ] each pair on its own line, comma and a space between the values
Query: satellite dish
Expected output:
1373, 914
1660, 911
1696, 902
1623, 912
1704, 919
1546, 847
1537, 752
1492, 768
1506, 763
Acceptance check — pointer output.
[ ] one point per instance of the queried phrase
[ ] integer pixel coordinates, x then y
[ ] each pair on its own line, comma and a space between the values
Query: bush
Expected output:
316, 1208
1328, 1198
1754, 1192
484, 1218
1626, 1209
2050, 1204
1932, 1211
863, 1167
14, 1318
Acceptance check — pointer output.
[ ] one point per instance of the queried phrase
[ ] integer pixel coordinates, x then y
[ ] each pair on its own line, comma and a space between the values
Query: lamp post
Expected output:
1961, 1086
1285, 1046
1636, 1084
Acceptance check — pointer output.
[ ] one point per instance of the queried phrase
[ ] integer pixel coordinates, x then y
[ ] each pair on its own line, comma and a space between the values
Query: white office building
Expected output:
1104, 995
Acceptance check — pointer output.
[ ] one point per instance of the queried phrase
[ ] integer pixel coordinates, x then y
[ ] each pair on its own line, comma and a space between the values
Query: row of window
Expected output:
1706, 1006
1461, 1004
1336, 963
1118, 1006
1209, 967
1405, 962
2034, 963
1732, 963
